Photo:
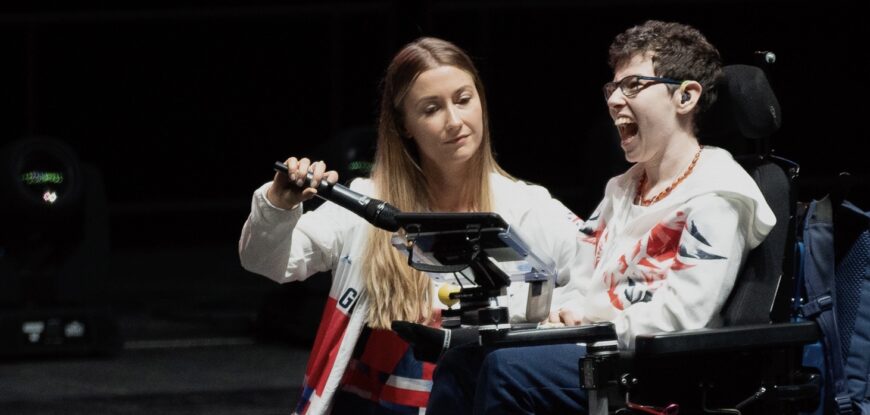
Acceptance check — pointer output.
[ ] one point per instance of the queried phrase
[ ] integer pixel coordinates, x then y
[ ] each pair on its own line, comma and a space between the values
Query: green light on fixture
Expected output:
42, 177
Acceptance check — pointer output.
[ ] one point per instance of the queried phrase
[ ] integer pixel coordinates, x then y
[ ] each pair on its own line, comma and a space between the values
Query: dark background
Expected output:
183, 106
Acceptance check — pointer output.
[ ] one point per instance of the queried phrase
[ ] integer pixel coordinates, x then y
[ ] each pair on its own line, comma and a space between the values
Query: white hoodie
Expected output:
286, 245
671, 265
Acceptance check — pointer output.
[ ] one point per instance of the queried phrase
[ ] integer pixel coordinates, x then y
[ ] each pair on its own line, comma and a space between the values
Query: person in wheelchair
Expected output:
662, 249
433, 155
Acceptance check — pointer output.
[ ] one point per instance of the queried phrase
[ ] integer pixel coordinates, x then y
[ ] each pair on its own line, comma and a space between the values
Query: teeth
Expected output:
623, 121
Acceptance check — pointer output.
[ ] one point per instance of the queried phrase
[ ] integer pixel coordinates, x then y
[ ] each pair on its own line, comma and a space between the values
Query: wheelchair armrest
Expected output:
591, 333
726, 339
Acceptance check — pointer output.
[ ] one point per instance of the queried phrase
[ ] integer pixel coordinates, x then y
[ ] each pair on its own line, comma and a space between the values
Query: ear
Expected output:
406, 134
403, 129
687, 96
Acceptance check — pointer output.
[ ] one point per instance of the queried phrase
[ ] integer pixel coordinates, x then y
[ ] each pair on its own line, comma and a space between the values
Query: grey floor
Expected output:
213, 376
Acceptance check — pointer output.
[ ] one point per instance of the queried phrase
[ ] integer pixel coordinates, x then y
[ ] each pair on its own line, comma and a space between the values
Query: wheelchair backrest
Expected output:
742, 121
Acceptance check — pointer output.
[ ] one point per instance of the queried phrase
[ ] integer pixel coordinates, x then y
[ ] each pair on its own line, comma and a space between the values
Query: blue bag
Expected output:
834, 275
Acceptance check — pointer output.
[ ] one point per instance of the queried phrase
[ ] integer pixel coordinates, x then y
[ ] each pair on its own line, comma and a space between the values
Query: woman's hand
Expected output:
288, 190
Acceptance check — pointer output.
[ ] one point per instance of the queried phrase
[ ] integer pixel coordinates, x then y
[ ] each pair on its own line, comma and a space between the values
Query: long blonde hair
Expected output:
395, 290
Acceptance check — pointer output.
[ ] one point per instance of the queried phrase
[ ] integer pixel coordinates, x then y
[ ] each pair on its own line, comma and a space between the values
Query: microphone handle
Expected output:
322, 189
377, 212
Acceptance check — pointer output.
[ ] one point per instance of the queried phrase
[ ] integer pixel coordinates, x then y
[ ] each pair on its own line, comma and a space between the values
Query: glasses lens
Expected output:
608, 89
630, 85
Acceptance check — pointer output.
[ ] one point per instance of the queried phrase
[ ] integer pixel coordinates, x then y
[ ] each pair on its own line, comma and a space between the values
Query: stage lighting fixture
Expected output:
53, 242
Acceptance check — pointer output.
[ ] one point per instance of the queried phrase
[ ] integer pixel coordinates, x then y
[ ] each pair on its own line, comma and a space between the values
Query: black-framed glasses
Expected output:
631, 85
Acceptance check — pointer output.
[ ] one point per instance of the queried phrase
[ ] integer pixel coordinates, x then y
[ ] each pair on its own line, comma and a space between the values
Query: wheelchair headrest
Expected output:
746, 106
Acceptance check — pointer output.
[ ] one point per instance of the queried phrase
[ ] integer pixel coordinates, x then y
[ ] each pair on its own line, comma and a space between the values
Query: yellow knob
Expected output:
444, 294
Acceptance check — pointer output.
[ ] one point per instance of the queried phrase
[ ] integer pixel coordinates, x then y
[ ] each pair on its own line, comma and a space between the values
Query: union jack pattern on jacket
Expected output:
349, 363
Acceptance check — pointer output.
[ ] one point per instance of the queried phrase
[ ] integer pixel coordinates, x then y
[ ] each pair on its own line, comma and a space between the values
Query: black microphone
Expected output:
377, 212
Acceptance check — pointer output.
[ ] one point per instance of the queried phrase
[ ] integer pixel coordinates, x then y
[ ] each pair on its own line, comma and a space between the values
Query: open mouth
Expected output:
627, 129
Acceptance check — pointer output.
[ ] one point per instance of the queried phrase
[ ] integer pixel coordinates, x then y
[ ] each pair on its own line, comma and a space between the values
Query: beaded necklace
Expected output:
638, 198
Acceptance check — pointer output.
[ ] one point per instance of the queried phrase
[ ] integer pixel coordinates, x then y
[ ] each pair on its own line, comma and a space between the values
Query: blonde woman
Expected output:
433, 154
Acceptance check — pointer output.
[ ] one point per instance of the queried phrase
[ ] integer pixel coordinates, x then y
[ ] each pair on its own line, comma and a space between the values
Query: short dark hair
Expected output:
679, 51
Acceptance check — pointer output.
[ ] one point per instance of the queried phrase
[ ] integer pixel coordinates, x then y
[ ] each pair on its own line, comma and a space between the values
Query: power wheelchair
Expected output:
753, 363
